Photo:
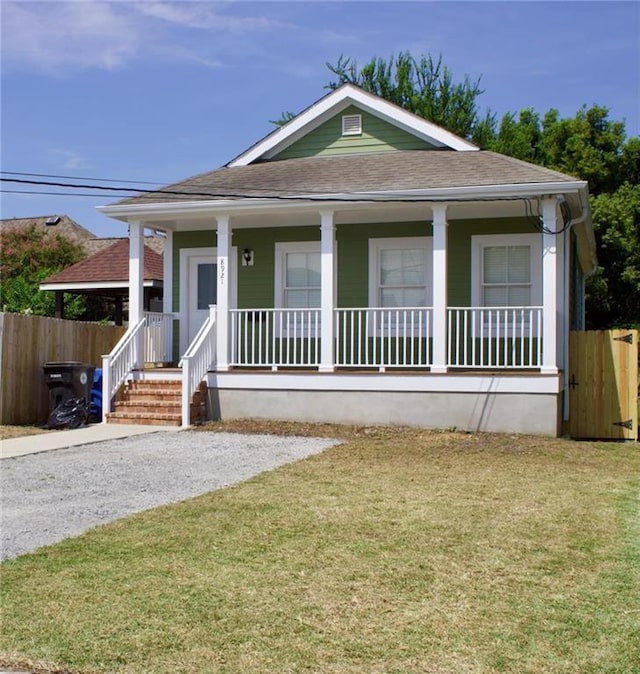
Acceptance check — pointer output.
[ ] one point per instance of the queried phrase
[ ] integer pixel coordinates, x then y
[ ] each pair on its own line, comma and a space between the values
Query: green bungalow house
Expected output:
361, 265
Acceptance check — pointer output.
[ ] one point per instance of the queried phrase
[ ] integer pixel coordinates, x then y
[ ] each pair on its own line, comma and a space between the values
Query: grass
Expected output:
8, 432
399, 551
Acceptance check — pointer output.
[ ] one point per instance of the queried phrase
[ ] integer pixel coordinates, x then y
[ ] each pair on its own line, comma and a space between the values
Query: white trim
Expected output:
436, 383
340, 201
281, 249
183, 270
335, 102
91, 285
399, 242
167, 273
478, 242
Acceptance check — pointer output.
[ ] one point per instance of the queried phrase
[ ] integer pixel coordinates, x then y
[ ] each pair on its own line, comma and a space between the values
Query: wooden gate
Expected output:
603, 384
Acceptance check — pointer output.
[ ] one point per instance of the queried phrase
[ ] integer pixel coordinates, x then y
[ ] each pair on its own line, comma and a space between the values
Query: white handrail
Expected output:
116, 365
195, 363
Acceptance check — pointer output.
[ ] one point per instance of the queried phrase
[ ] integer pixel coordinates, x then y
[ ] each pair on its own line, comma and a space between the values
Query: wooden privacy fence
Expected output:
603, 384
27, 343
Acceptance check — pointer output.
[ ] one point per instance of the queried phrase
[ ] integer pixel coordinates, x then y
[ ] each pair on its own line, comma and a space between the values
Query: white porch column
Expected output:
224, 293
327, 291
439, 284
136, 286
167, 273
549, 287
136, 272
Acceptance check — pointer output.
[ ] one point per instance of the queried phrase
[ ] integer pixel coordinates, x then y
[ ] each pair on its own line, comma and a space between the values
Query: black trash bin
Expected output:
70, 379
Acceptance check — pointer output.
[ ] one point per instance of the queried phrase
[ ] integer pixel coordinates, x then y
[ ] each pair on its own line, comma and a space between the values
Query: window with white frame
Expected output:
298, 283
400, 272
400, 285
506, 272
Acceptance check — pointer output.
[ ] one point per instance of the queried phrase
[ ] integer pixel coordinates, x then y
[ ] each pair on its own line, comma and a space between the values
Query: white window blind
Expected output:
506, 276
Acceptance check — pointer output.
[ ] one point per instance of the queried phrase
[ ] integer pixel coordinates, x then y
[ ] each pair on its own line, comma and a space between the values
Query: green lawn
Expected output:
399, 551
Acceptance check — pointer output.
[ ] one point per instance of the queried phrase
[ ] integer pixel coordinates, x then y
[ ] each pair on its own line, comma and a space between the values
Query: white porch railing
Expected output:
149, 341
275, 337
197, 360
158, 337
382, 337
116, 366
502, 337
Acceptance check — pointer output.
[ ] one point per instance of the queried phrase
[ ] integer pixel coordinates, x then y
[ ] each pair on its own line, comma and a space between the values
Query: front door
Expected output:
198, 289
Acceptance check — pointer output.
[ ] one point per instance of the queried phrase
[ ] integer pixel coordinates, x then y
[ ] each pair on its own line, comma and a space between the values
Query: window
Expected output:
400, 272
506, 270
297, 285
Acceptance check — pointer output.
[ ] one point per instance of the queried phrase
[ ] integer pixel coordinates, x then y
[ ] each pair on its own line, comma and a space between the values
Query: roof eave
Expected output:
169, 210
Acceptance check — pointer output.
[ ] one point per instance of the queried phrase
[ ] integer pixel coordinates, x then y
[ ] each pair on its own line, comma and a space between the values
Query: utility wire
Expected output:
104, 180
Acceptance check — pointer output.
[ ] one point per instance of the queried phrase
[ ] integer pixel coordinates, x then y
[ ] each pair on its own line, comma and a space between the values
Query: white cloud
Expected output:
70, 159
56, 37
206, 16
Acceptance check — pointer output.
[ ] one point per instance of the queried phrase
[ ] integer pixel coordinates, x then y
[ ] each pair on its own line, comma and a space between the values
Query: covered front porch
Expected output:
394, 342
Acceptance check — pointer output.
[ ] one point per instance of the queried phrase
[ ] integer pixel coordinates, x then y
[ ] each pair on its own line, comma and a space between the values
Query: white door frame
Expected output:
185, 255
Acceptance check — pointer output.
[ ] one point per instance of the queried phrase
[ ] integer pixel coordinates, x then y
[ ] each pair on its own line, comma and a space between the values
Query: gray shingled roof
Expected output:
382, 171
64, 226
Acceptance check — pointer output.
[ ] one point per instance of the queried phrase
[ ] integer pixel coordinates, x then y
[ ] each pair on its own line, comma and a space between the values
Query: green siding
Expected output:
377, 136
256, 284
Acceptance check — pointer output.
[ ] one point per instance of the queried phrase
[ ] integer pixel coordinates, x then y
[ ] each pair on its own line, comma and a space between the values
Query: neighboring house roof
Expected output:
51, 224
108, 268
93, 246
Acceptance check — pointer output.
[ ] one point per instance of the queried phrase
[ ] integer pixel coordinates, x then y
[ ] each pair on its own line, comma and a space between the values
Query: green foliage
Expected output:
423, 86
613, 296
29, 257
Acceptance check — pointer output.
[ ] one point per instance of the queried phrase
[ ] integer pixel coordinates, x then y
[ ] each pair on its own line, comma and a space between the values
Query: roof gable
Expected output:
334, 104
375, 135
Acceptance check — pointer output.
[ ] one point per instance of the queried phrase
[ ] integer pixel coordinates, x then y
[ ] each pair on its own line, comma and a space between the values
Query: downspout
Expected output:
565, 344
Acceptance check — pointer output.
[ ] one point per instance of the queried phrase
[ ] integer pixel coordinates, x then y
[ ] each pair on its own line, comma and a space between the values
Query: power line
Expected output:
60, 194
104, 180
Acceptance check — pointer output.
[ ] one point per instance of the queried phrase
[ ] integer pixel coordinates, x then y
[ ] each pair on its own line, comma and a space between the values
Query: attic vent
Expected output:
53, 220
351, 125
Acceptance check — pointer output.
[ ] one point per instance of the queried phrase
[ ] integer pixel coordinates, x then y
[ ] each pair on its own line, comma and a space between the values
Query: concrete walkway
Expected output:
44, 442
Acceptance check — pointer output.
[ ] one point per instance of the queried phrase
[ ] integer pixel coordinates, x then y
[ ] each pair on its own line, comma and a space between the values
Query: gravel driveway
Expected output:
58, 494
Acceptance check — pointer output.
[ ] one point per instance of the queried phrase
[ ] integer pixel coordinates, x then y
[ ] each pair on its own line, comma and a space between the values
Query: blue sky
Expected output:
158, 91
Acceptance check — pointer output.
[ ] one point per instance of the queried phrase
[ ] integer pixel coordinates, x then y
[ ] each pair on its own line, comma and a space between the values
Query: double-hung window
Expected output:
507, 277
297, 286
400, 285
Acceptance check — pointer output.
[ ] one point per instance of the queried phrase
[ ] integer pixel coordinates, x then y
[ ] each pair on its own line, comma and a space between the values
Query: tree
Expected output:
28, 257
613, 297
423, 86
